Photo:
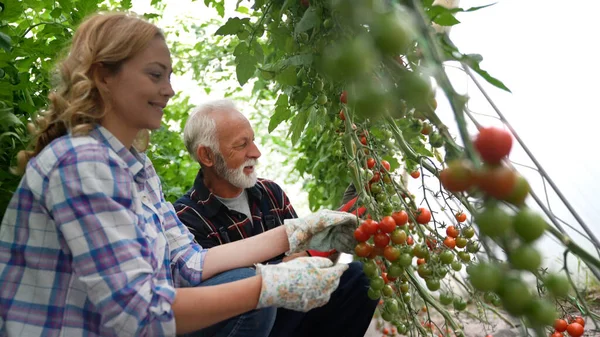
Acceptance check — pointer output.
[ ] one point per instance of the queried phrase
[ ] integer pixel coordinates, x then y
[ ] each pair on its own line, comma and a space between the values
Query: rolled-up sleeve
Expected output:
91, 198
187, 257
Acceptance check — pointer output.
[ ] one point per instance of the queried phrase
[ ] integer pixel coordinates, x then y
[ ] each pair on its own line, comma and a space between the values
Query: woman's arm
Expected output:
200, 307
245, 252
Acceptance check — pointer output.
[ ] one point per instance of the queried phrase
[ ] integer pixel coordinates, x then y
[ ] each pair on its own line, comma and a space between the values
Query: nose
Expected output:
167, 90
254, 152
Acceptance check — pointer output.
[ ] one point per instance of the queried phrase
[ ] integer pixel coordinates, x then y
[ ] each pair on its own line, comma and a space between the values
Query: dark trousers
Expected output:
347, 314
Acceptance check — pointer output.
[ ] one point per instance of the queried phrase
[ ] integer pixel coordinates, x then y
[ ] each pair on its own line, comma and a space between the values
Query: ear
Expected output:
205, 156
101, 76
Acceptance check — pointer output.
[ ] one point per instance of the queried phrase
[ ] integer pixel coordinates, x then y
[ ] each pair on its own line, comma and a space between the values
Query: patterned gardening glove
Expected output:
338, 228
302, 284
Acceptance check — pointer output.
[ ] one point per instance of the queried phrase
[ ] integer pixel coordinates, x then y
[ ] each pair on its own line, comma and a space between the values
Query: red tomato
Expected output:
400, 217
344, 97
370, 226
458, 176
423, 216
363, 249
579, 320
450, 242
575, 329
360, 235
497, 181
493, 144
415, 174
461, 217
385, 165
381, 240
387, 224
370, 163
452, 232
342, 116
391, 253
560, 325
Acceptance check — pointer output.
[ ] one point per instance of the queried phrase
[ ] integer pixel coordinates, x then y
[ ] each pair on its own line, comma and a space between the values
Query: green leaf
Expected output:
232, 26
473, 60
298, 124
12, 10
445, 19
5, 41
287, 76
242, 9
421, 149
56, 12
472, 9
8, 119
246, 66
281, 114
309, 20
258, 51
241, 49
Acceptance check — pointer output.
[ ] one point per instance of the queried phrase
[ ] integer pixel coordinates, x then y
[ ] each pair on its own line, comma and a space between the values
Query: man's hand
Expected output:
324, 230
302, 284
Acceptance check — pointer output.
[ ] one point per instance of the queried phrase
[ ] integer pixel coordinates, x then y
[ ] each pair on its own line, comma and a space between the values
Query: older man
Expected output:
228, 203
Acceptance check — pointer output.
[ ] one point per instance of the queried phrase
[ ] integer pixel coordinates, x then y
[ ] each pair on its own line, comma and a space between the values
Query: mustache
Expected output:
250, 162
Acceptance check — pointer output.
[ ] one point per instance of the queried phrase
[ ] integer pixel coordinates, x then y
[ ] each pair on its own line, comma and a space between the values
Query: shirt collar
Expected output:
209, 202
132, 158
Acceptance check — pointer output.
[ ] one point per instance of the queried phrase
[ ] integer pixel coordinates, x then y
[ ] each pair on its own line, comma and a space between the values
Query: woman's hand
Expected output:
301, 285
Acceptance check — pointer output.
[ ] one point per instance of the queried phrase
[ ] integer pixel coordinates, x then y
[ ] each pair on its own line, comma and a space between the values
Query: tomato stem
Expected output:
458, 102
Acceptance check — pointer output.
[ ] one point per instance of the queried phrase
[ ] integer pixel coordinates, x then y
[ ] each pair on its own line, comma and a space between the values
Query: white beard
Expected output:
236, 176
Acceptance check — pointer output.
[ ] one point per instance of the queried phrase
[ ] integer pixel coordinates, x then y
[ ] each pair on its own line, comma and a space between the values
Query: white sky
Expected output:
545, 52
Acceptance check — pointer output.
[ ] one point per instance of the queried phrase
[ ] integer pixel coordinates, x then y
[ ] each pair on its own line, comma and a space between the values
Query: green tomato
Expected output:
493, 221
446, 298
557, 285
373, 294
515, 296
529, 225
377, 283
391, 305
387, 290
526, 257
322, 99
485, 276
456, 265
433, 284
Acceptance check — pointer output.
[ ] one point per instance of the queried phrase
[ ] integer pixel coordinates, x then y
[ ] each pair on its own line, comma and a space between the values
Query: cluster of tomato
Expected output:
575, 327
515, 231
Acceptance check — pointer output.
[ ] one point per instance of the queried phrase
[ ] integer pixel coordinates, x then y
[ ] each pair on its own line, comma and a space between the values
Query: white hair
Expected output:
200, 128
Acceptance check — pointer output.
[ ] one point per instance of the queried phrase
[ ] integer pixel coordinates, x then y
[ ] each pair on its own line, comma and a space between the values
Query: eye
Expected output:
156, 75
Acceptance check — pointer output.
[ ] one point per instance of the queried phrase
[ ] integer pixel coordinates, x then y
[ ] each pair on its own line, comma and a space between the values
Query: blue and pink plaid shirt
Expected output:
89, 247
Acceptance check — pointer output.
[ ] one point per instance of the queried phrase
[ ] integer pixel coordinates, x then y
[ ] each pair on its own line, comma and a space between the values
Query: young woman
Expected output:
88, 245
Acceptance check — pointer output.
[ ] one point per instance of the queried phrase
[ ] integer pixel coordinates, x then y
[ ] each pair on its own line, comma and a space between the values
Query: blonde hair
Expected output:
76, 105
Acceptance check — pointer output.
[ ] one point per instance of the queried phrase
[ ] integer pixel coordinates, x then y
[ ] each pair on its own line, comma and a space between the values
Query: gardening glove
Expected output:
336, 228
302, 284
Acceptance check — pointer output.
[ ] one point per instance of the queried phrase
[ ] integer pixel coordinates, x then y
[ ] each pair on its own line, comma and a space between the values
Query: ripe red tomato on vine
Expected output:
493, 144
423, 216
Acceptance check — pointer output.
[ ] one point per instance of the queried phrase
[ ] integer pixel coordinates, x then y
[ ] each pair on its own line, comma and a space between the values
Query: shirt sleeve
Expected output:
187, 257
91, 199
